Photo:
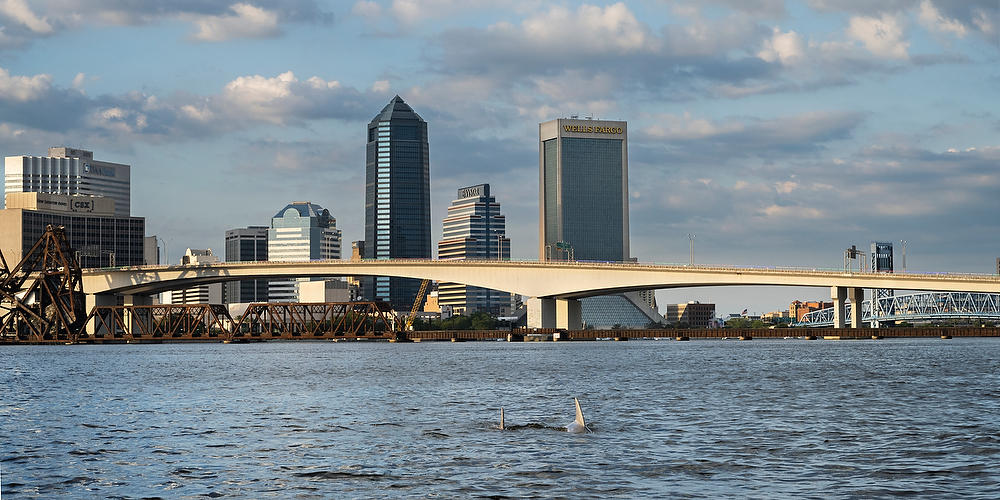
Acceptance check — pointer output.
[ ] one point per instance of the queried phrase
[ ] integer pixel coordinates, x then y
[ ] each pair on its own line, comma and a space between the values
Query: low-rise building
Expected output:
694, 314
797, 308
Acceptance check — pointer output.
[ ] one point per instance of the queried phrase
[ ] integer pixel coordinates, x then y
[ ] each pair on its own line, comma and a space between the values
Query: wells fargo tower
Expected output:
583, 190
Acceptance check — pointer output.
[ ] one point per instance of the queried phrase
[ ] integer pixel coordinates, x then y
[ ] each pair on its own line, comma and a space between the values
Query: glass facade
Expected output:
246, 245
397, 198
96, 241
474, 229
584, 181
594, 195
584, 209
300, 232
612, 310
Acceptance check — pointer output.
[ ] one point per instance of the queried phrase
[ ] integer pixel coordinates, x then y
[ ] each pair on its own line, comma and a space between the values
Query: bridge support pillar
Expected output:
569, 314
856, 296
134, 300
95, 300
541, 313
838, 294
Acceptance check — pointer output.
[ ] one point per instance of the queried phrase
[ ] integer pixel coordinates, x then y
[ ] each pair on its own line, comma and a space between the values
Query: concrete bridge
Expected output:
554, 288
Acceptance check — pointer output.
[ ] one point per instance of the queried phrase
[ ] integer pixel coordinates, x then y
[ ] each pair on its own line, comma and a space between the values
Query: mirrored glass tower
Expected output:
397, 198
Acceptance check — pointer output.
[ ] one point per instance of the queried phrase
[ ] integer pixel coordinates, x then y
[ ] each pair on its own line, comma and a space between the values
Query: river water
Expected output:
706, 418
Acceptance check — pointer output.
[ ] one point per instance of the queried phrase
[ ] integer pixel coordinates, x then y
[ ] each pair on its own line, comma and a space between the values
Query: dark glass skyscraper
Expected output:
397, 198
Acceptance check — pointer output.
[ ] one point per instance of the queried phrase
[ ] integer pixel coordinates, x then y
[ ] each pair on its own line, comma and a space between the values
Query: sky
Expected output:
778, 133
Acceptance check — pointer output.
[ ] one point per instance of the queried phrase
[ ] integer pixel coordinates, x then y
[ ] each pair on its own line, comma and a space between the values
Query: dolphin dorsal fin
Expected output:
579, 413
501, 418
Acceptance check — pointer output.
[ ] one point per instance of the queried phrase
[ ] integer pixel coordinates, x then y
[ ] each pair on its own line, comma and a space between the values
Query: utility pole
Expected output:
691, 249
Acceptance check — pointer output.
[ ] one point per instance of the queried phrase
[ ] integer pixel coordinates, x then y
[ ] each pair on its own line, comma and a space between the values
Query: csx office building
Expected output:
99, 237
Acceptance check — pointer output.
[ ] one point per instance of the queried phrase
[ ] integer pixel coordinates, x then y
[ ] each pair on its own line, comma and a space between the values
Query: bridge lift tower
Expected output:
881, 263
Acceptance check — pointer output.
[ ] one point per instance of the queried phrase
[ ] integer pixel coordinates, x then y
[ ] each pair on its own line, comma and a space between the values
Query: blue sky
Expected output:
779, 133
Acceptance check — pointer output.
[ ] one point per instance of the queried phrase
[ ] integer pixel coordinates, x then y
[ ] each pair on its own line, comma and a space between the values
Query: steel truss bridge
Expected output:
917, 307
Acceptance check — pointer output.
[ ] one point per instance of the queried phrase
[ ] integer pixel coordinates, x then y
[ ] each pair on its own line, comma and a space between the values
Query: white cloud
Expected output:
367, 8
23, 88
786, 187
79, 80
882, 36
8, 132
796, 212
932, 18
597, 29
119, 120
19, 11
247, 21
686, 127
984, 22
380, 86
784, 47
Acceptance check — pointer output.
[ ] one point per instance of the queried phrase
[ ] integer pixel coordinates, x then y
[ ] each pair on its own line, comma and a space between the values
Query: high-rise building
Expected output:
397, 198
99, 237
583, 197
70, 171
150, 251
246, 244
198, 294
301, 231
474, 229
583, 208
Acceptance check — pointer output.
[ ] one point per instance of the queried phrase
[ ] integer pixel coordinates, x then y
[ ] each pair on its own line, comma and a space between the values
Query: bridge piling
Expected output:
838, 294
856, 296
541, 313
569, 314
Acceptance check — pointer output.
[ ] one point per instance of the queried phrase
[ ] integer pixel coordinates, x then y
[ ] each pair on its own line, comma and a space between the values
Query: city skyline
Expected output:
780, 133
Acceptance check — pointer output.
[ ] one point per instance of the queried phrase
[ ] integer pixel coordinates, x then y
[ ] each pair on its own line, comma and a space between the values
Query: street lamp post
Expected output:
166, 255
691, 249
903, 243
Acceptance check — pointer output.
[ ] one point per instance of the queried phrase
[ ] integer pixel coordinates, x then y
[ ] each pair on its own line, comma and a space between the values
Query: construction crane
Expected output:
416, 305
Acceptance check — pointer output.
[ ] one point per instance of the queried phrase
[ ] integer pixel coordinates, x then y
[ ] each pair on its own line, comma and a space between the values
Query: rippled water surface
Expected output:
707, 418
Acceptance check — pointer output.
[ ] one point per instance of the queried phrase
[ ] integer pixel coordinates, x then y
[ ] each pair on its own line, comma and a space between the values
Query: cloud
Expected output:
955, 17
784, 47
932, 18
367, 8
23, 88
882, 36
213, 20
246, 21
18, 10
244, 102
805, 132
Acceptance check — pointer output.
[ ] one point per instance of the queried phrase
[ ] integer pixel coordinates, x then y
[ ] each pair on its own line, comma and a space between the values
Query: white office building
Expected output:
70, 171
301, 231
200, 294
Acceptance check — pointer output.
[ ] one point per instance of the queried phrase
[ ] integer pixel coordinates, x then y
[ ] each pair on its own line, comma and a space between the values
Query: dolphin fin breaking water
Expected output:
578, 425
